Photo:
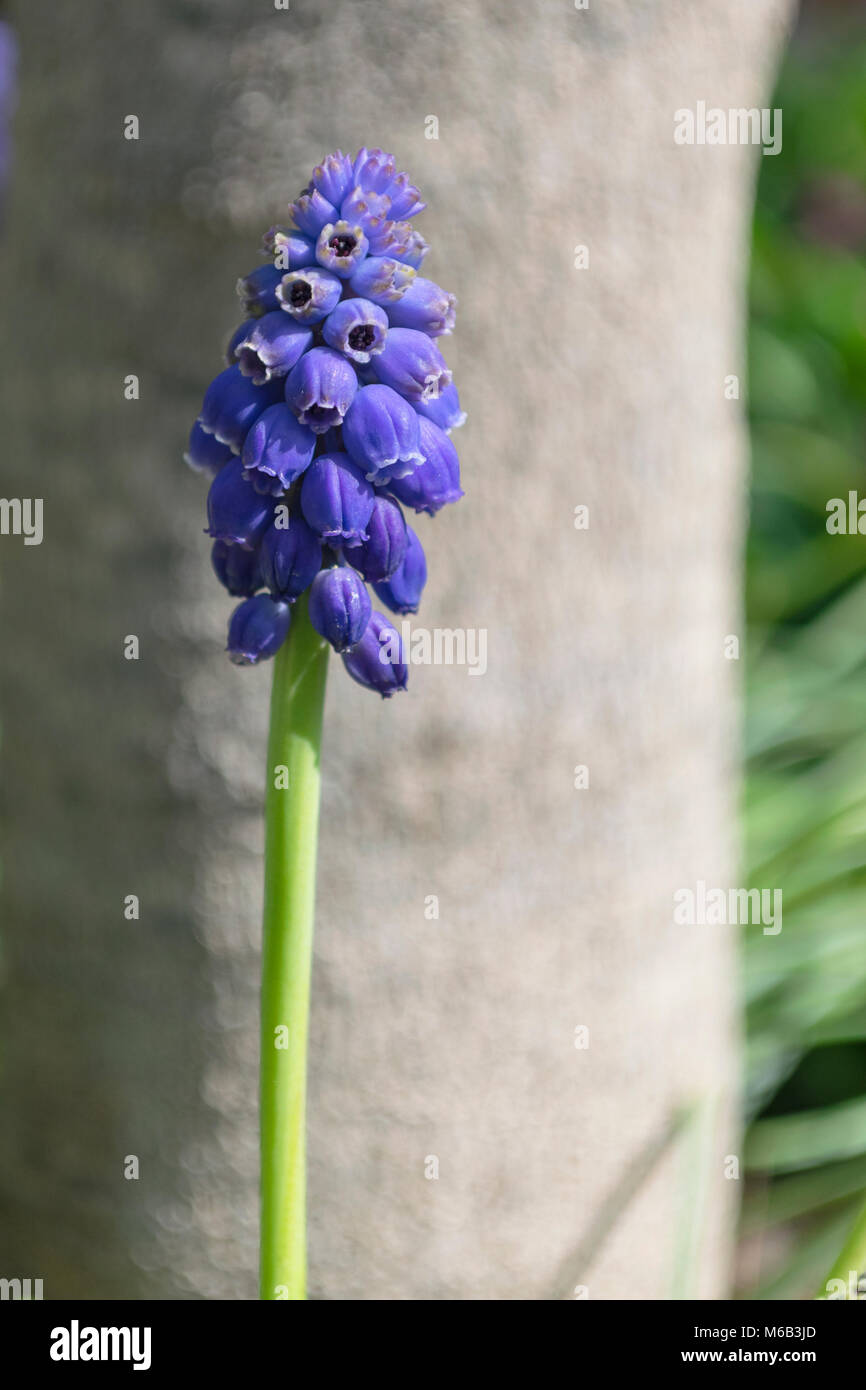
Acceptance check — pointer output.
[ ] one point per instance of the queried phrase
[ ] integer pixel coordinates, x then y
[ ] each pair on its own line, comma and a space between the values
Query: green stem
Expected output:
291, 831
850, 1263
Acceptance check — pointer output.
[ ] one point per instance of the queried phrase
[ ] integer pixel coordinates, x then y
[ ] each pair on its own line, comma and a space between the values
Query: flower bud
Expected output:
341, 247
271, 346
373, 170
411, 364
321, 388
288, 249
357, 327
379, 555
257, 629
424, 306
381, 433
377, 662
416, 249
404, 198
368, 209
334, 177
311, 211
279, 448
310, 294
382, 279
236, 512
232, 403
336, 498
205, 453
436, 481
402, 592
258, 290
339, 607
444, 410
390, 238
236, 568
289, 558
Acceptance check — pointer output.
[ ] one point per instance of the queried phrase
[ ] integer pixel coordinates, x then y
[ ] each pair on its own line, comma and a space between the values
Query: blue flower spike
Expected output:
333, 414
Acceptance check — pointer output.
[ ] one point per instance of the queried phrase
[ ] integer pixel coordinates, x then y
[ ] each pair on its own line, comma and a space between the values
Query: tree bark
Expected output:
446, 1044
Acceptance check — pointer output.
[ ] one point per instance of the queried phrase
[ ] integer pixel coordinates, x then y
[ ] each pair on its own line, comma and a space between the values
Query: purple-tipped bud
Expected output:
411, 364
289, 558
258, 290
205, 453
402, 592
378, 661
415, 251
232, 403
382, 552
278, 448
271, 346
311, 211
236, 568
288, 249
336, 498
425, 306
377, 171
381, 433
310, 294
321, 388
444, 411
356, 327
257, 629
341, 247
334, 177
236, 512
436, 481
366, 209
374, 170
382, 279
404, 198
340, 607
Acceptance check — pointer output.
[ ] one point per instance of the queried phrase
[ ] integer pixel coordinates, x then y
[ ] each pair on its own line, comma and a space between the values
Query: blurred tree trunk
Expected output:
452, 1038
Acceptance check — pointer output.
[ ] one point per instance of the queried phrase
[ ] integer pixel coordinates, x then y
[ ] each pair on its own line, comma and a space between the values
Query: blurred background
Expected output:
805, 805
145, 777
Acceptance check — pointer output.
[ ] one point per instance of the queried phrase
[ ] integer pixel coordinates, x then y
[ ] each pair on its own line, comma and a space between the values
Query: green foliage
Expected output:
805, 803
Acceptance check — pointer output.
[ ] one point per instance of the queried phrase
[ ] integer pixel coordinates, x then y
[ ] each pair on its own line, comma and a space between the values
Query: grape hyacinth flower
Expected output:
357, 327
381, 432
321, 387
332, 414
402, 590
257, 628
378, 556
426, 307
377, 660
277, 450
270, 346
310, 294
336, 499
340, 607
237, 569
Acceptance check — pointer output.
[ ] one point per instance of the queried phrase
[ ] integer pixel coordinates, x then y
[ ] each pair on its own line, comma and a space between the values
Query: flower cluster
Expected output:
333, 414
